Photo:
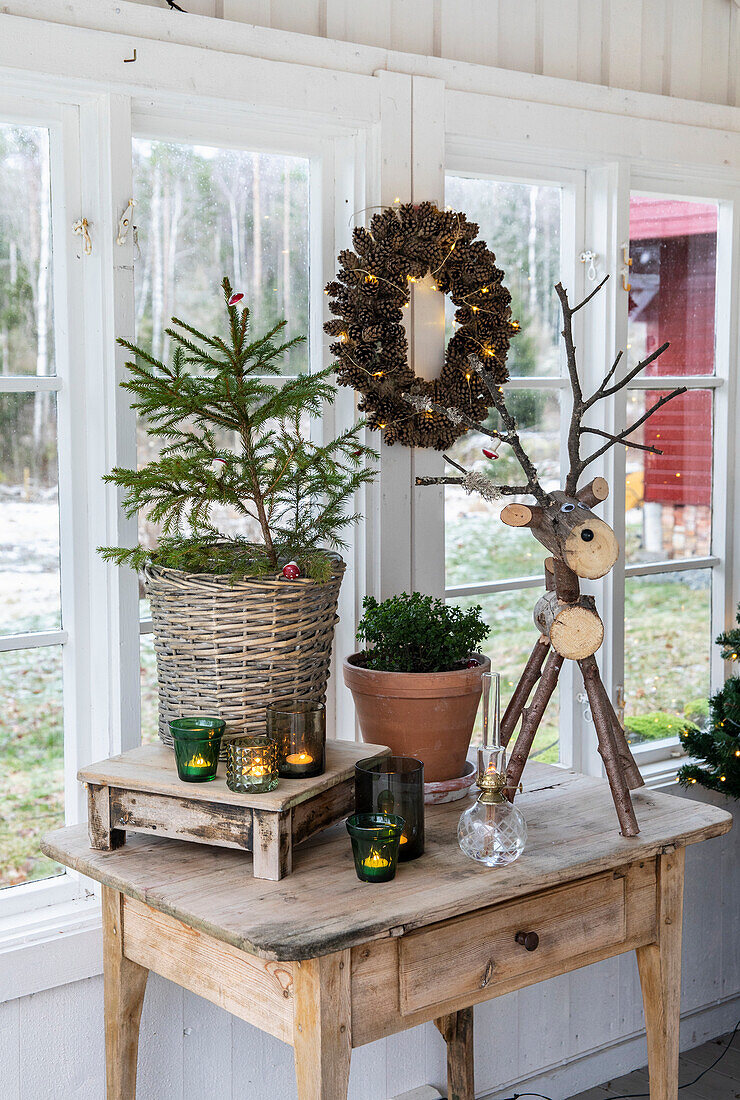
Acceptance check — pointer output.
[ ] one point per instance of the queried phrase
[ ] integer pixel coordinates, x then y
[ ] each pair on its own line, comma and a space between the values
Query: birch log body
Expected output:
575, 629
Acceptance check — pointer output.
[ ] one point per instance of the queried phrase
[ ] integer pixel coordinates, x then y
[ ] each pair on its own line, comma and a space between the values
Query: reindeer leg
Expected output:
598, 698
523, 689
530, 722
629, 766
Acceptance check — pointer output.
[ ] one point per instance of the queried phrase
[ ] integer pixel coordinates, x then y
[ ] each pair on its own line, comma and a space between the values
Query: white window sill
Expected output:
51, 946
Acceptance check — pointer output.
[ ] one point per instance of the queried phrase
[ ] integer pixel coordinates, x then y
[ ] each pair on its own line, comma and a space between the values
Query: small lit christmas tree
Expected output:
717, 744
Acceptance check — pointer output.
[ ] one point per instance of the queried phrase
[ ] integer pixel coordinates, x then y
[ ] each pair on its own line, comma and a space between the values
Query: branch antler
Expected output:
582, 404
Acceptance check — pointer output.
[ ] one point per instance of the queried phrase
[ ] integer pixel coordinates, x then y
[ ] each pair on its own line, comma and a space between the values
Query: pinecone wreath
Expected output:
403, 245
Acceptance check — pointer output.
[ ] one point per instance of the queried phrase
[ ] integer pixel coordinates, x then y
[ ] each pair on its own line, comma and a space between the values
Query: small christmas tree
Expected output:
296, 492
717, 744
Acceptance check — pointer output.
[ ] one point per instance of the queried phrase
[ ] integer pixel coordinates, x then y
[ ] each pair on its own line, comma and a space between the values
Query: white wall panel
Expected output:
626, 40
469, 31
560, 38
684, 48
593, 44
518, 35
10, 1049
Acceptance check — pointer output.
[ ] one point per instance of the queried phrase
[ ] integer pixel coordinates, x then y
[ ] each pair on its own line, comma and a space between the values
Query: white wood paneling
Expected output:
624, 34
685, 48
559, 46
10, 1049
469, 31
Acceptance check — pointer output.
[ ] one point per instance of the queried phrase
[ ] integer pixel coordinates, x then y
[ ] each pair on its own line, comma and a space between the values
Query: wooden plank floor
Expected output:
720, 1083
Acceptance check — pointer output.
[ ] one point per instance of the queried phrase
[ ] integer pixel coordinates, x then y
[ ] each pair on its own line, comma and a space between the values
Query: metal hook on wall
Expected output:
81, 228
590, 258
124, 222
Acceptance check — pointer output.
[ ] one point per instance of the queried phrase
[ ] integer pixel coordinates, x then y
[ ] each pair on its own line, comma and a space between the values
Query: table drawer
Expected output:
470, 954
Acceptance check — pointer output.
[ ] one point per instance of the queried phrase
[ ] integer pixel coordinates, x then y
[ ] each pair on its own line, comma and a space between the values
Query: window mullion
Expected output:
605, 324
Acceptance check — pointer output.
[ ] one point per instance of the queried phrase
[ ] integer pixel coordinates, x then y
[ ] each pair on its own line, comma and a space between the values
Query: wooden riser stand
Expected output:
140, 791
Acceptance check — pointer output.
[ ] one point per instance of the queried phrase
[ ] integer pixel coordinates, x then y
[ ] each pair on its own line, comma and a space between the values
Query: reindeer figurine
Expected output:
581, 545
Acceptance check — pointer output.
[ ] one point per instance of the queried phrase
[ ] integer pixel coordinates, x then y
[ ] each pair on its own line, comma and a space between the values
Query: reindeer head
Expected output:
569, 529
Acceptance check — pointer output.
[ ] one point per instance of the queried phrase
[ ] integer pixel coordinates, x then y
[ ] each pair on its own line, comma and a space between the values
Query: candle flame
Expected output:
198, 761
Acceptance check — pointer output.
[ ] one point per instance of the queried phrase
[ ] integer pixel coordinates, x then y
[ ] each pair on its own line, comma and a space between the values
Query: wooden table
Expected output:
327, 963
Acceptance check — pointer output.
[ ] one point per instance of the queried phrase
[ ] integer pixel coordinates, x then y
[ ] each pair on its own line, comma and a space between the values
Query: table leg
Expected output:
457, 1031
322, 1027
124, 984
660, 976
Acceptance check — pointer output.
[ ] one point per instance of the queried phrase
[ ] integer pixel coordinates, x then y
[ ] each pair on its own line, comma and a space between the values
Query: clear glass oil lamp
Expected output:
492, 830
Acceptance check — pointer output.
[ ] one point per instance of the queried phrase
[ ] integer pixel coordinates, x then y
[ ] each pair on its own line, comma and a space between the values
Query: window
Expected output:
203, 212
668, 496
486, 562
31, 712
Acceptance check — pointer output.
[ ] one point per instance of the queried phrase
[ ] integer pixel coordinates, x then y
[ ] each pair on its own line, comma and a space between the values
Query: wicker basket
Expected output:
230, 648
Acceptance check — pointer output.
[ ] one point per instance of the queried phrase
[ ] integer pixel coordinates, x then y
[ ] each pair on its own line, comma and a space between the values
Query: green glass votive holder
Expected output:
197, 743
299, 728
375, 842
251, 765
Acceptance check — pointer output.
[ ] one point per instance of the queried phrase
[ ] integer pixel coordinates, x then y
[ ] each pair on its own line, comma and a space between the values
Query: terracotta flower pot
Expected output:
429, 715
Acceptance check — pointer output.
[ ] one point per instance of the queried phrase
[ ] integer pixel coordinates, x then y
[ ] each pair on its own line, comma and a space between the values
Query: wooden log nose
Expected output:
591, 548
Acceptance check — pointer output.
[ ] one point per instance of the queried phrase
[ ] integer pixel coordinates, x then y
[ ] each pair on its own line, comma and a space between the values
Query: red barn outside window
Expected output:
673, 246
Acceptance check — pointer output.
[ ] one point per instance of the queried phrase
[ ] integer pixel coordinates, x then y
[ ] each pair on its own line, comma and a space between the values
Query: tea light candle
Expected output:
375, 862
299, 758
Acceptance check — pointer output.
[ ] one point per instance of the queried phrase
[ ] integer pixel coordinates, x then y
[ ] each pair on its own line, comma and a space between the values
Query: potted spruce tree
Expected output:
239, 620
417, 684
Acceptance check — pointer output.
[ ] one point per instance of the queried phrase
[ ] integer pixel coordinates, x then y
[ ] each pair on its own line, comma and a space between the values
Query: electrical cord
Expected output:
640, 1095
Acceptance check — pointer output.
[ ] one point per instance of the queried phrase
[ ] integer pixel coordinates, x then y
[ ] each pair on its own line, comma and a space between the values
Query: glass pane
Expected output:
32, 752
673, 247
668, 496
667, 645
513, 634
202, 213
520, 224
149, 712
29, 514
478, 547
26, 333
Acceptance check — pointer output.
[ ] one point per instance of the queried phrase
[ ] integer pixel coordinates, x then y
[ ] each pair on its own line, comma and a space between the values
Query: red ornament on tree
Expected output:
472, 663
489, 454
235, 298
291, 571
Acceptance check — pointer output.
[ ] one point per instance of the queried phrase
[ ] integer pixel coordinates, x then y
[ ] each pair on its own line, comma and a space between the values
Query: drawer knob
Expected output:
529, 940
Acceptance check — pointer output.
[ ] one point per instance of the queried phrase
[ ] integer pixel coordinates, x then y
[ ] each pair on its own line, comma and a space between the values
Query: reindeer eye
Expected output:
567, 508
582, 505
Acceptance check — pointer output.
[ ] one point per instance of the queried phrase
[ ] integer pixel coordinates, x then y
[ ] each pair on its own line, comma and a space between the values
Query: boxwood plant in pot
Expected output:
239, 619
417, 684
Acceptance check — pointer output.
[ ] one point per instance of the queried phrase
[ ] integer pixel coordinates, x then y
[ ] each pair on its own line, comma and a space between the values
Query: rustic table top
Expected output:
152, 768
322, 907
